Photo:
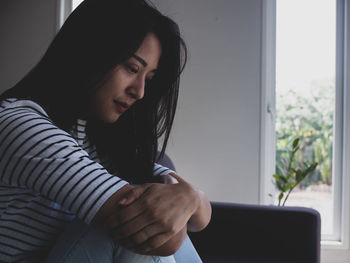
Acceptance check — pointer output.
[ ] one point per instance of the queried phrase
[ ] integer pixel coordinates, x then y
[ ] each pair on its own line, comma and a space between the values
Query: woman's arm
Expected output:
154, 218
107, 217
38, 155
154, 214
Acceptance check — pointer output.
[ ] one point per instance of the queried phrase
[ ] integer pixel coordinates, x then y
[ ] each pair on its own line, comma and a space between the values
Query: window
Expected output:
305, 96
305, 92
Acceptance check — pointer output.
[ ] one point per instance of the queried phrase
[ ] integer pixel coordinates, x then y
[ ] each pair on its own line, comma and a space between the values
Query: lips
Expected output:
122, 106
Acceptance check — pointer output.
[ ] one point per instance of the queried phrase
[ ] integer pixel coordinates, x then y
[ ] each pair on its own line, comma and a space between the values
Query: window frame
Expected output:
268, 101
63, 9
334, 246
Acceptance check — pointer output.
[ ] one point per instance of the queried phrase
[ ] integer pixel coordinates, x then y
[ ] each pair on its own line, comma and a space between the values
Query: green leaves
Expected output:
311, 118
295, 144
293, 174
280, 197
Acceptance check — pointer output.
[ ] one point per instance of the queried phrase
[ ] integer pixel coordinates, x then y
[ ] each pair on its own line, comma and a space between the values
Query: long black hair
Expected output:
96, 37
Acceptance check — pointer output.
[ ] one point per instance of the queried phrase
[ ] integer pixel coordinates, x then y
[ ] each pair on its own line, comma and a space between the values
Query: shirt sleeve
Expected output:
37, 155
160, 170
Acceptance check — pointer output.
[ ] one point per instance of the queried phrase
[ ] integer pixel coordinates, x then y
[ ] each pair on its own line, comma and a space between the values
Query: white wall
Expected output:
26, 29
215, 141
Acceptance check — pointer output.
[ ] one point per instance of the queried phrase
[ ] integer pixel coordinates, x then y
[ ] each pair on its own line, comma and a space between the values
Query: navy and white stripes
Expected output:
47, 178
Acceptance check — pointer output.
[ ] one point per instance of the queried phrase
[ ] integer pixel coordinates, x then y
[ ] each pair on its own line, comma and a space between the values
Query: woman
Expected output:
78, 143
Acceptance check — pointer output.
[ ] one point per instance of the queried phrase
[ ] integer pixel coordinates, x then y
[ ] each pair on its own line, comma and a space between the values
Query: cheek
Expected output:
98, 97
106, 91
109, 90
115, 86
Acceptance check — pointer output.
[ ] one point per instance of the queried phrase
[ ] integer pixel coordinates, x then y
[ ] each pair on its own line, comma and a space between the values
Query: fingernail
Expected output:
123, 201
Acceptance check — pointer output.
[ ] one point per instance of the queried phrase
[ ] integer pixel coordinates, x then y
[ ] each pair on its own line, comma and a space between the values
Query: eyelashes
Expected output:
134, 70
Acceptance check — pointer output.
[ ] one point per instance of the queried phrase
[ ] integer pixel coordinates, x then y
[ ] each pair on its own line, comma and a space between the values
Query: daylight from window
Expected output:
305, 94
75, 3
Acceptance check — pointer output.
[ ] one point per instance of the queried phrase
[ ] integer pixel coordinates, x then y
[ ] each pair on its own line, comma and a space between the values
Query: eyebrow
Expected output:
141, 60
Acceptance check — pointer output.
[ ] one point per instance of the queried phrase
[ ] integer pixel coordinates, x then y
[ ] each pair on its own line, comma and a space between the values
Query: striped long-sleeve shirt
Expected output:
48, 177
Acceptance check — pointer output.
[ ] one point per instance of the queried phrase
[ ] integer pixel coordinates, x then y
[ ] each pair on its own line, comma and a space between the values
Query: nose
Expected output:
137, 88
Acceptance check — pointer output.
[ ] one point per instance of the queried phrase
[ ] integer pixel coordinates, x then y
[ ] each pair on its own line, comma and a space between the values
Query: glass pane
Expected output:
305, 94
75, 3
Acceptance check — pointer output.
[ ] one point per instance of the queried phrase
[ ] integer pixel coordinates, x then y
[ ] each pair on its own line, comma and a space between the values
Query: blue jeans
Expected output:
83, 243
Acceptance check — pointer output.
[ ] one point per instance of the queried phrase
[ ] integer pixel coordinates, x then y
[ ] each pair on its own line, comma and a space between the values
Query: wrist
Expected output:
201, 217
197, 200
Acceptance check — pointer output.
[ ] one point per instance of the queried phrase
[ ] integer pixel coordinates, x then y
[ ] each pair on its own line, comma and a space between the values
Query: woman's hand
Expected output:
152, 214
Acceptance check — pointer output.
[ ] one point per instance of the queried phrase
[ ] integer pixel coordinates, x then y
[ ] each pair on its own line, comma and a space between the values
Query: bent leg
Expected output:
123, 255
83, 243
187, 253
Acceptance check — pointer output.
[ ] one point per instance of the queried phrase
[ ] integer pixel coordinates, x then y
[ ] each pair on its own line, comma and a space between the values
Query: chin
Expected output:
110, 119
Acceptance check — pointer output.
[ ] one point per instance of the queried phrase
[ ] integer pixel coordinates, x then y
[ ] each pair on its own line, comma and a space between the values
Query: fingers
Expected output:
133, 235
133, 226
168, 179
177, 177
129, 207
152, 243
138, 237
123, 215
147, 239
151, 214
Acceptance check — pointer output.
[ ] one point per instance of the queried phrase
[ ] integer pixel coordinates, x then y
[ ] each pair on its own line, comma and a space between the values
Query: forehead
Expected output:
150, 50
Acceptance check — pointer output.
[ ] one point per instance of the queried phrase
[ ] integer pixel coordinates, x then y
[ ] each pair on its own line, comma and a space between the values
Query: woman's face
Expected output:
126, 83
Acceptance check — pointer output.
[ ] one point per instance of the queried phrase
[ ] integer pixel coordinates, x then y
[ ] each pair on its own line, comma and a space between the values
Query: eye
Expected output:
132, 68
